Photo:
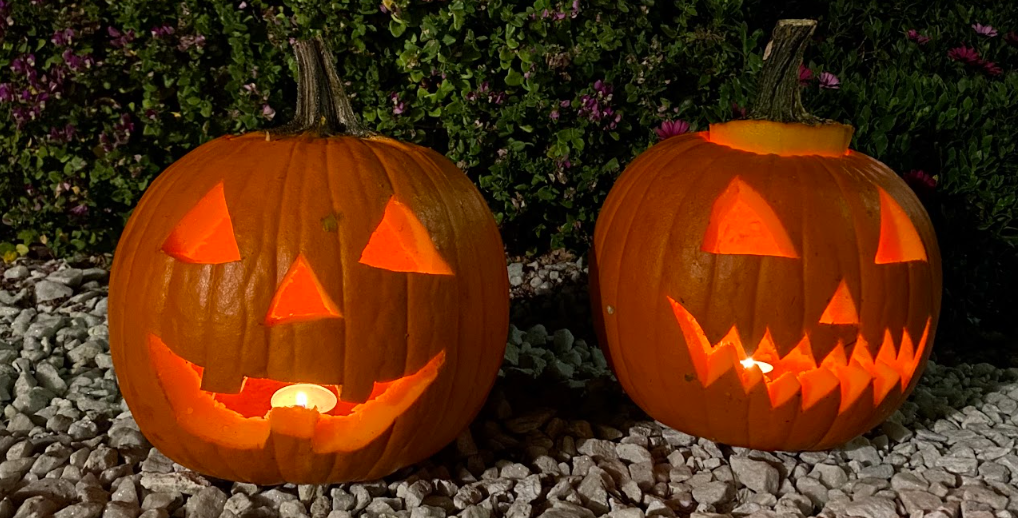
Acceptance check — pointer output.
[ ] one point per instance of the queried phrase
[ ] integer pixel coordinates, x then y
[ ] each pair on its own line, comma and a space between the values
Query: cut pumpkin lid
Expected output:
783, 139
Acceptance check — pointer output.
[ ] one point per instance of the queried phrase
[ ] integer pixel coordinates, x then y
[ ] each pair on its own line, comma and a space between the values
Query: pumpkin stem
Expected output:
778, 95
322, 105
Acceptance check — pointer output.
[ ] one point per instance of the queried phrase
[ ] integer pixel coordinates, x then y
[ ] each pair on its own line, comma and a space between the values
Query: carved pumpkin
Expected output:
762, 285
308, 307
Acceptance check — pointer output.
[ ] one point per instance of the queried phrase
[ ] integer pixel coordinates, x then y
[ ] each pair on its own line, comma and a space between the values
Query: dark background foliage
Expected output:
543, 103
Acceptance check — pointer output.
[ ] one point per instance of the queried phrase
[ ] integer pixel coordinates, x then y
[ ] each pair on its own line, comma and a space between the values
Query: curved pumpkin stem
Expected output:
322, 105
778, 96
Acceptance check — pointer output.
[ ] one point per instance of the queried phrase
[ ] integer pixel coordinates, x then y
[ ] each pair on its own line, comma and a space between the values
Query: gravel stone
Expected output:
872, 507
756, 475
47, 290
832, 476
919, 501
714, 493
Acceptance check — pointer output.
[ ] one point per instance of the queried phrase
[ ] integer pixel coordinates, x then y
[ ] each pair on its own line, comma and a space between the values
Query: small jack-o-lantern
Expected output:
318, 305
762, 285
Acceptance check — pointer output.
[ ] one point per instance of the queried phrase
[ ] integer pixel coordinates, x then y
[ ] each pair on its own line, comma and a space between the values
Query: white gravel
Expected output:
556, 439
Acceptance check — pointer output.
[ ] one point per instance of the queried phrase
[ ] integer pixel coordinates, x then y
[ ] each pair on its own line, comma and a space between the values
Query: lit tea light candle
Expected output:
305, 395
763, 366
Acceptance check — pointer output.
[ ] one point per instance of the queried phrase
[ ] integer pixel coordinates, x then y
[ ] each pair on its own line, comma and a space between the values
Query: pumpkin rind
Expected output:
648, 249
321, 198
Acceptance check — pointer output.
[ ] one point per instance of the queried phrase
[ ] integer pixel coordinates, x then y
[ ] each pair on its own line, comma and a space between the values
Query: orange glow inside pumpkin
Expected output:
841, 309
842, 375
245, 420
401, 243
899, 241
205, 234
300, 297
741, 222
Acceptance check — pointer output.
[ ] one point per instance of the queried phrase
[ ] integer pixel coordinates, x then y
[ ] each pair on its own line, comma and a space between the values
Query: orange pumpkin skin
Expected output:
310, 204
706, 255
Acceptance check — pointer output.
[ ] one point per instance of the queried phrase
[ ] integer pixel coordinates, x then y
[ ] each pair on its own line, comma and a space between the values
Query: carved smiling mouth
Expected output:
246, 419
798, 372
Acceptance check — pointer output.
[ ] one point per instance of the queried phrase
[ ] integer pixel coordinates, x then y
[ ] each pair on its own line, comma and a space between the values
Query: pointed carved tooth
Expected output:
816, 385
885, 378
732, 337
836, 358
861, 352
696, 340
783, 389
903, 362
750, 377
887, 354
723, 359
908, 360
799, 359
766, 351
854, 380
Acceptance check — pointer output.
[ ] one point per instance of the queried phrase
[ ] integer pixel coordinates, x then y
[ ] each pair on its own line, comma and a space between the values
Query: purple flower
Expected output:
920, 181
559, 15
398, 106
6, 93
805, 75
992, 68
162, 31
965, 55
73, 61
79, 210
119, 39
670, 129
576, 9
918, 38
242, 5
564, 103
498, 98
23, 63
65, 134
268, 112
738, 112
829, 80
63, 37
602, 88
553, 115
984, 30
188, 41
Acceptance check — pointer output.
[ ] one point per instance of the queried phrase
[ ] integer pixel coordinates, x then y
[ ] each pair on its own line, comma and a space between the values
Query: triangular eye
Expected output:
300, 297
742, 222
899, 241
400, 243
841, 309
205, 234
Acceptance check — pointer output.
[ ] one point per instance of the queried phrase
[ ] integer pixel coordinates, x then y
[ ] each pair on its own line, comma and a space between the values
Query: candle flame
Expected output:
302, 399
764, 366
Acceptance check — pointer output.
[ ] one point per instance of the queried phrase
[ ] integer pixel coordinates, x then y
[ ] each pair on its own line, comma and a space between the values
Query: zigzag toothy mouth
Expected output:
245, 420
798, 372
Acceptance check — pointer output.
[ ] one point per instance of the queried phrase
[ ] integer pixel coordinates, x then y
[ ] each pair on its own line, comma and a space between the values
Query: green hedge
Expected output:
543, 103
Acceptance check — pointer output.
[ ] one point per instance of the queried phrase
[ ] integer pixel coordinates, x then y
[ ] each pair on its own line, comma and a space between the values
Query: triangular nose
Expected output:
300, 297
841, 309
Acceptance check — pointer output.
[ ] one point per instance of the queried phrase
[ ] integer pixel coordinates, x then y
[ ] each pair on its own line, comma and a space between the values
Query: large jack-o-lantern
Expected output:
315, 305
762, 285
